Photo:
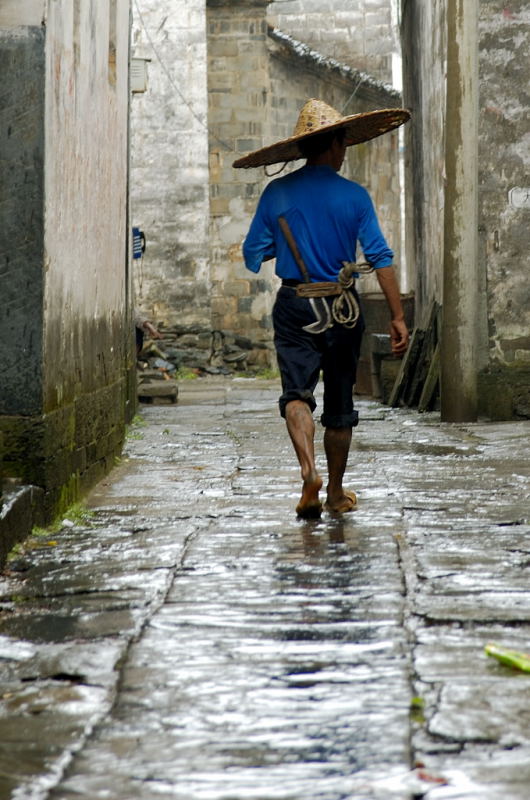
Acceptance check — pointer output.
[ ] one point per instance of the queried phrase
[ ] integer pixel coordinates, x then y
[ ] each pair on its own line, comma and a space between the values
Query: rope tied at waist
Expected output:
345, 308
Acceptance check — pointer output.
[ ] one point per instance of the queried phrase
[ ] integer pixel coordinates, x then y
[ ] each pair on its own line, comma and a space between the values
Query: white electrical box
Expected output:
139, 74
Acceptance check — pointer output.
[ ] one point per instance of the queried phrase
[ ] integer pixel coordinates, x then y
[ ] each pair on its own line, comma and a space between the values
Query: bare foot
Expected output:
310, 506
341, 505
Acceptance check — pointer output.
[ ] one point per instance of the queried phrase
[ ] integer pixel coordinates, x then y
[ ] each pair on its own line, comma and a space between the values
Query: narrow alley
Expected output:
192, 639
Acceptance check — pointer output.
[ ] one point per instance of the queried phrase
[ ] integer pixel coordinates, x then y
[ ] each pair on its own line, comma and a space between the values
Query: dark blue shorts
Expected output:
302, 355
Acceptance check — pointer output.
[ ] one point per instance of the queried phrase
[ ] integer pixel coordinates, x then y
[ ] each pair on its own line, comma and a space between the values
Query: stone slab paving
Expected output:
195, 640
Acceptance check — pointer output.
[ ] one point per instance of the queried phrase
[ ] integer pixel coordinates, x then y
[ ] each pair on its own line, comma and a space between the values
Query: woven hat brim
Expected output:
359, 128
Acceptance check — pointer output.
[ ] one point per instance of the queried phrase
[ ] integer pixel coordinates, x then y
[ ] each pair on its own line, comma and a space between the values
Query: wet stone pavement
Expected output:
192, 639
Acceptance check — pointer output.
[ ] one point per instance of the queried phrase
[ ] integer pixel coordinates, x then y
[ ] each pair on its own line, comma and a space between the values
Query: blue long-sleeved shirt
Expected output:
327, 214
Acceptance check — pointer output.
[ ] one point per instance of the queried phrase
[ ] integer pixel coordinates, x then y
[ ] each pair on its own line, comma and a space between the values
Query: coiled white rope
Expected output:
345, 308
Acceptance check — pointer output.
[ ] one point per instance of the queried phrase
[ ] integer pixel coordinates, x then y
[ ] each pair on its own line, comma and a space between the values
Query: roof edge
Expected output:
313, 58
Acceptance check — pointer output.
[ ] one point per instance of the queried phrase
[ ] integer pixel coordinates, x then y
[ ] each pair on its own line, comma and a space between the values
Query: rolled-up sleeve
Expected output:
374, 245
259, 243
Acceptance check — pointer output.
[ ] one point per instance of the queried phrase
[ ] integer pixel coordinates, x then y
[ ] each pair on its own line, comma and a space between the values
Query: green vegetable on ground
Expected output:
510, 658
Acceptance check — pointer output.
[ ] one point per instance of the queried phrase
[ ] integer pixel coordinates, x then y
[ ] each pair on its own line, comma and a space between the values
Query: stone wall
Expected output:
66, 343
360, 34
504, 167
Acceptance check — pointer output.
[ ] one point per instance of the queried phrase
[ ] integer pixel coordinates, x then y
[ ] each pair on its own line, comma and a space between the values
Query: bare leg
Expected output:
301, 428
337, 446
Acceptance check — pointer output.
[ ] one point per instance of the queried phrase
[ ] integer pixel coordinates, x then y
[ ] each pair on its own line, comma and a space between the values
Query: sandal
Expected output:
349, 504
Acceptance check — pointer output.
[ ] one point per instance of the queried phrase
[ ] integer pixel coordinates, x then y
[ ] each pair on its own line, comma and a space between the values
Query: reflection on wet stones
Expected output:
276, 680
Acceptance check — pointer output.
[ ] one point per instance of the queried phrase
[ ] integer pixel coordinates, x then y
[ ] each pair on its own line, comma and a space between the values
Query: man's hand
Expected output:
399, 335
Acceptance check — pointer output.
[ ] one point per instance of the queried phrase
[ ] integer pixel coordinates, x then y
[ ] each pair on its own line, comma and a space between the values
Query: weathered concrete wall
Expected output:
360, 34
16, 13
169, 162
424, 45
505, 168
21, 220
67, 140
86, 196
504, 156
504, 180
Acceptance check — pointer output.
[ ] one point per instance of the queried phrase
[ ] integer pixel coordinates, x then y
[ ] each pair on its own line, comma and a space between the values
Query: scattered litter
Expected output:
161, 363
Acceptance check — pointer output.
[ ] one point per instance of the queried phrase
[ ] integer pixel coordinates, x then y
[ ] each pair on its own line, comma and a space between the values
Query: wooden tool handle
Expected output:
284, 225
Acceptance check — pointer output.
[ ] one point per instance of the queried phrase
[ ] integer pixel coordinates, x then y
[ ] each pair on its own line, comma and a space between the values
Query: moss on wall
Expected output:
66, 451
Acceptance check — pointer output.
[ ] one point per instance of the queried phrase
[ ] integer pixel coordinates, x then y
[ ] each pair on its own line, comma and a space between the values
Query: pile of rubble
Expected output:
199, 350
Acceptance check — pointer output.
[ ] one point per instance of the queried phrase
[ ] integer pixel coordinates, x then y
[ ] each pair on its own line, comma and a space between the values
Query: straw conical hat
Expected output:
317, 117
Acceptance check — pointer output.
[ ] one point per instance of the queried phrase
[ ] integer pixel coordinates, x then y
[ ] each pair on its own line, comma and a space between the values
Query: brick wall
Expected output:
239, 92
360, 34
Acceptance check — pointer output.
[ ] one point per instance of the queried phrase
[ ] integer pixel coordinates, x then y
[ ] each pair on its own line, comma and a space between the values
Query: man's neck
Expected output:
322, 160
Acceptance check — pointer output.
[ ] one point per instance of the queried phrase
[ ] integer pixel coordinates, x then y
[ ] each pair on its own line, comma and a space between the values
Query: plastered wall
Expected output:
424, 44
85, 256
17, 13
22, 219
169, 161
240, 99
66, 349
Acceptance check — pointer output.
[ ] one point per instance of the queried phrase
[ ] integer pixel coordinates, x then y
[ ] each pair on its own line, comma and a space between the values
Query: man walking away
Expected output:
310, 221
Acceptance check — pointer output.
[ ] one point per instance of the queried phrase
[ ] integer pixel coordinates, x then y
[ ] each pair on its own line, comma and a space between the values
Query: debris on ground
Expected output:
510, 658
205, 352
